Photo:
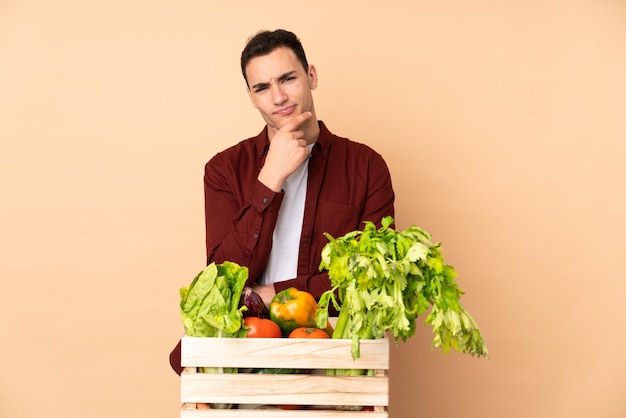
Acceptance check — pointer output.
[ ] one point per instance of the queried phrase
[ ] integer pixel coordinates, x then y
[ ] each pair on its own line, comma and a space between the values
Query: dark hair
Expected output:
265, 42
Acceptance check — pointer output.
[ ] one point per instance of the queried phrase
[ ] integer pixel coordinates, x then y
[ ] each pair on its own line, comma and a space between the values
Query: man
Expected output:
270, 199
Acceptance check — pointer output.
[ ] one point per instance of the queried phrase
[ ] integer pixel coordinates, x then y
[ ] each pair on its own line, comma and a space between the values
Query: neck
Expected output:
311, 130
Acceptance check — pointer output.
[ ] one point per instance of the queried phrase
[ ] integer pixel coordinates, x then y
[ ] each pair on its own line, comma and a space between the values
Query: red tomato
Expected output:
262, 328
307, 332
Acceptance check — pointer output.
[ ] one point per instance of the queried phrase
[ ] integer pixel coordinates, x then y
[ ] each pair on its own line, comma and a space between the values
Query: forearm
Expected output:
240, 232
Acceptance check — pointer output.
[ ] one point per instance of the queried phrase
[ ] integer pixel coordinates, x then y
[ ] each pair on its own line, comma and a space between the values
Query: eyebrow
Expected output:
283, 77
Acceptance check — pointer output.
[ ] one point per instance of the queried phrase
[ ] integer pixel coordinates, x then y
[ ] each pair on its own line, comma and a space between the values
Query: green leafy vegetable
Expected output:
209, 307
385, 279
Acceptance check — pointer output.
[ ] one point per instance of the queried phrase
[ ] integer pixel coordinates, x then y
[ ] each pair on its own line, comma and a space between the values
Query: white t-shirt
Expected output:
283, 260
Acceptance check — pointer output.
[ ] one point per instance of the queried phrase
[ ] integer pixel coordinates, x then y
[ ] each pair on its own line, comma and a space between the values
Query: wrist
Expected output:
272, 182
265, 291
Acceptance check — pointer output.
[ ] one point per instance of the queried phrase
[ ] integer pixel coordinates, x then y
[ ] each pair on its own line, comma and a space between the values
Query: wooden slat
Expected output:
296, 353
299, 389
250, 389
271, 413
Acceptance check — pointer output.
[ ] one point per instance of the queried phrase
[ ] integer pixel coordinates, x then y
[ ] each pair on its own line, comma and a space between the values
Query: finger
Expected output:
293, 123
297, 134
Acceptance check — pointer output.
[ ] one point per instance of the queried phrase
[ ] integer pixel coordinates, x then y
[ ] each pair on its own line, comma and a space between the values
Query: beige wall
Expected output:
502, 123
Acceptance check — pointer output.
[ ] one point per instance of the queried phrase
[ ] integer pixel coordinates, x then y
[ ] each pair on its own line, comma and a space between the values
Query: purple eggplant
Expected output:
251, 300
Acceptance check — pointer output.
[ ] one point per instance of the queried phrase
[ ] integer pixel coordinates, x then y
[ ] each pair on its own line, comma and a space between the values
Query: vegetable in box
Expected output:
385, 279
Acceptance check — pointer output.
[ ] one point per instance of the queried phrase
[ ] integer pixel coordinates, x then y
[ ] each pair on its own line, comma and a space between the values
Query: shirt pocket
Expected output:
339, 218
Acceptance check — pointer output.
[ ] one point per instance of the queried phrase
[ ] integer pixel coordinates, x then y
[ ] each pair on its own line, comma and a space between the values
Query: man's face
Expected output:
279, 87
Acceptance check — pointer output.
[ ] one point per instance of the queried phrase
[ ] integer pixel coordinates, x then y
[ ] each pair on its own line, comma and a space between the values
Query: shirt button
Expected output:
255, 235
266, 200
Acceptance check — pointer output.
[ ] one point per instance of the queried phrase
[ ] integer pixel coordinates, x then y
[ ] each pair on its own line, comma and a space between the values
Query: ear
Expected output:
312, 74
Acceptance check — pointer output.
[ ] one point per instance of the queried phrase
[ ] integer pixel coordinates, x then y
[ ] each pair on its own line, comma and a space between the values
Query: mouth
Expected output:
285, 111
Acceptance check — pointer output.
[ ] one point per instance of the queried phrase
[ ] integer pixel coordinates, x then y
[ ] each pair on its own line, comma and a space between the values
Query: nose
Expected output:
278, 93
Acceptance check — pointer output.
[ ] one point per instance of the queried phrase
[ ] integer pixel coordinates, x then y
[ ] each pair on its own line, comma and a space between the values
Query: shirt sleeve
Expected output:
380, 195
315, 284
239, 221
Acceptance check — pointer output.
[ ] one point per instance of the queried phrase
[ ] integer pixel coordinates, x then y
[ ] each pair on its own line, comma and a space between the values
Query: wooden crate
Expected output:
315, 389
